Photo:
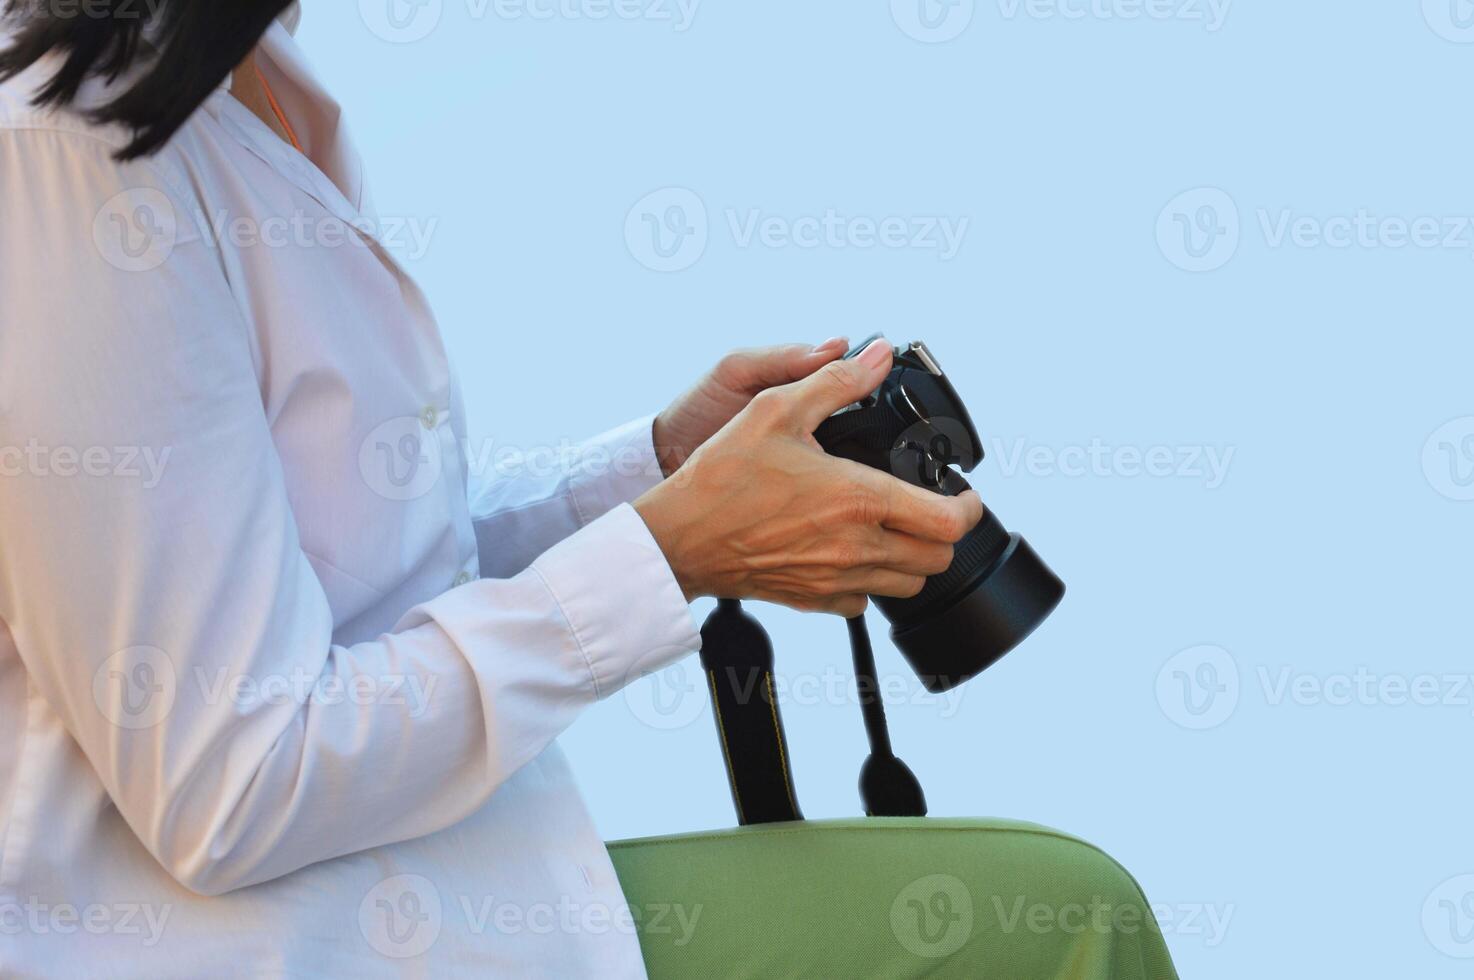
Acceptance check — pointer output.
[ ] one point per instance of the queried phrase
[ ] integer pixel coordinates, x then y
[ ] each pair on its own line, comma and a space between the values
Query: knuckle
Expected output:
818, 586
768, 405
731, 363
858, 505
952, 525
941, 560
837, 378
913, 587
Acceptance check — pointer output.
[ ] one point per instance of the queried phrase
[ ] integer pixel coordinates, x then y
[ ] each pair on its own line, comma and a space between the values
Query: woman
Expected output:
270, 674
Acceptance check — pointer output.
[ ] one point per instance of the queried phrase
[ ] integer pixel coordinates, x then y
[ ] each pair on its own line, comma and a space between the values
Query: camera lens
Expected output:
996, 592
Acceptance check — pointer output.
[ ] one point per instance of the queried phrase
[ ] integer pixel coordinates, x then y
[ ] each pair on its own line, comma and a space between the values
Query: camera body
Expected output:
998, 590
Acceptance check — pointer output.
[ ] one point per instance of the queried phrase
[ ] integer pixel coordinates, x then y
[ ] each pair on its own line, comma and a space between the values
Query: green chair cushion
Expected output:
888, 898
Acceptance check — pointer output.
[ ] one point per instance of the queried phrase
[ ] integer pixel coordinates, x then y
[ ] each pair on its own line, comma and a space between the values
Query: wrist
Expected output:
667, 454
659, 510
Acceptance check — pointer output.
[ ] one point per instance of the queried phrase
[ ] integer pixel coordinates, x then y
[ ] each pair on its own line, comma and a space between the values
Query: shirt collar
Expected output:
291, 17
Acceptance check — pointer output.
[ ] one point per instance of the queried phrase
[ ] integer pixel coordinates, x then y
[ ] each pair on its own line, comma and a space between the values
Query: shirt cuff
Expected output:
615, 468
621, 600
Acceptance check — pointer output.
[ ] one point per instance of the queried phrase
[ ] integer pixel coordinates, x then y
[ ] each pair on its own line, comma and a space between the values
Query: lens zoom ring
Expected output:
978, 550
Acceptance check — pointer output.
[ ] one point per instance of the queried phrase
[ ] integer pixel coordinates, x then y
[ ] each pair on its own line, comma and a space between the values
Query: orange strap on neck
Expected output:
281, 117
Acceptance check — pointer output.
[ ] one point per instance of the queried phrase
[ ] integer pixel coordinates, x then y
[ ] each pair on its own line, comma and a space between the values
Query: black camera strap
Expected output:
738, 658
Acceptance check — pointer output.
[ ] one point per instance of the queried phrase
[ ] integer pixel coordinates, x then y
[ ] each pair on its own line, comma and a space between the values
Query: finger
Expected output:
760, 368
925, 514
837, 384
882, 581
912, 555
878, 547
848, 606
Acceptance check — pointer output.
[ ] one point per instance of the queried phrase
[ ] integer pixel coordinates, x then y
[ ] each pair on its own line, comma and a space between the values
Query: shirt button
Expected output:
463, 578
429, 417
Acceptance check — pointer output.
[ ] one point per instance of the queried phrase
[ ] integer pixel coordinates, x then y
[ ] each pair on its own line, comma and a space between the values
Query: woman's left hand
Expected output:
727, 389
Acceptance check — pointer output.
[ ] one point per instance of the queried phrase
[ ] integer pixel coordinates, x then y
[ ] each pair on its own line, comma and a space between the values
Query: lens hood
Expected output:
1006, 602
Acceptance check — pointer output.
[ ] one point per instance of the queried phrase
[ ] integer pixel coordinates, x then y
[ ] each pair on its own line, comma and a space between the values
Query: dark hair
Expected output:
187, 47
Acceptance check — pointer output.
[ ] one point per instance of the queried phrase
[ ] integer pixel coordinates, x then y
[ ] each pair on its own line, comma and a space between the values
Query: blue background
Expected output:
1145, 716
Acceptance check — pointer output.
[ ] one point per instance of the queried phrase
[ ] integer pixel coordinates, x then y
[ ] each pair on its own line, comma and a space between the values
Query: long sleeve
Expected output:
171, 618
539, 503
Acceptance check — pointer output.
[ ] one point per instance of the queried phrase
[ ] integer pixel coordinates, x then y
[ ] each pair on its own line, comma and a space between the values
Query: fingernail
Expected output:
877, 354
832, 343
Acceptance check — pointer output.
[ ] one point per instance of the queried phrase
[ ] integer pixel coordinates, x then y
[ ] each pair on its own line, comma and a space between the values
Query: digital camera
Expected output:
998, 589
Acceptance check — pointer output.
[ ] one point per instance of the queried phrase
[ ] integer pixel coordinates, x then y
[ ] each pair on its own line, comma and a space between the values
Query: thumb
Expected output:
839, 384
760, 368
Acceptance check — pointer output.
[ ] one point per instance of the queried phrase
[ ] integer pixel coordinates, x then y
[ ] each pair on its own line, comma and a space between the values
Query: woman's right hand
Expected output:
762, 512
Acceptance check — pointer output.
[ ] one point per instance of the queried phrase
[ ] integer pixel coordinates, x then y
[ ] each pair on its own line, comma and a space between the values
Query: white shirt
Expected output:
278, 697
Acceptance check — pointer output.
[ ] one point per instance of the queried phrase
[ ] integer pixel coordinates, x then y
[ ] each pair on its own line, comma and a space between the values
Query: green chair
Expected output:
888, 897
